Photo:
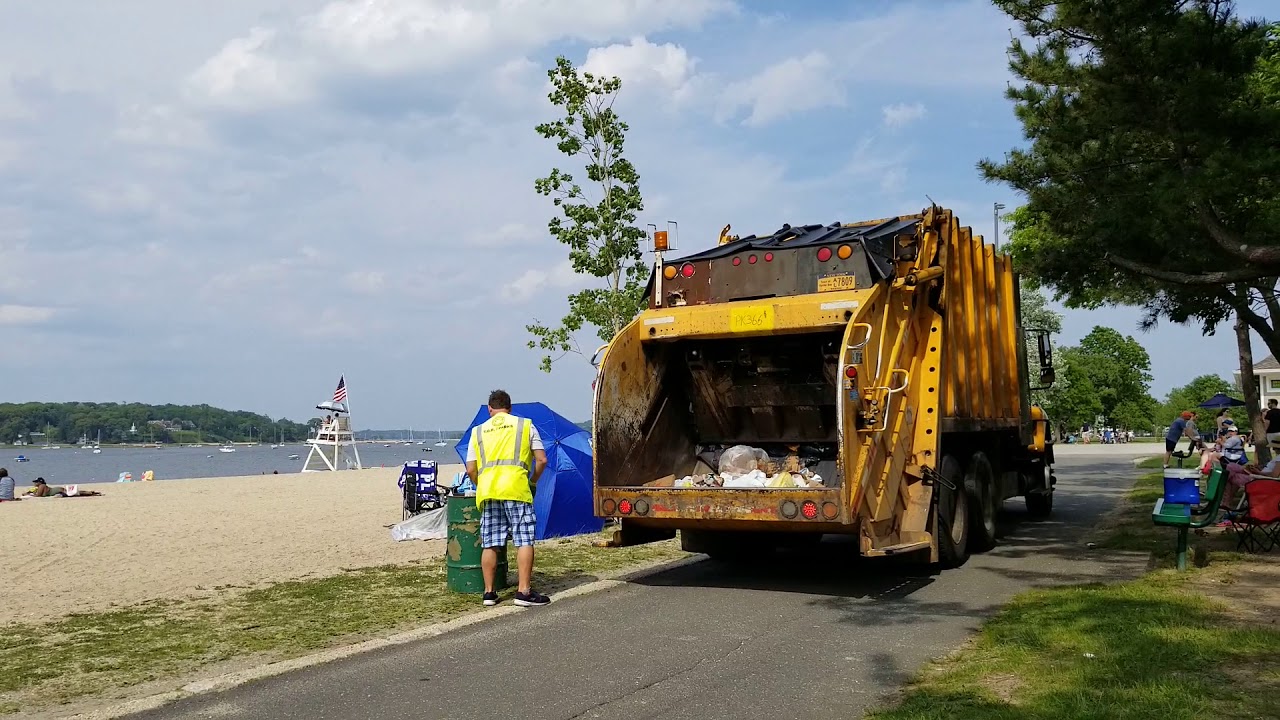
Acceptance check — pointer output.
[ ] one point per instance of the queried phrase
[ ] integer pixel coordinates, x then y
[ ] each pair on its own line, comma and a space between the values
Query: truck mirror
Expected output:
1047, 374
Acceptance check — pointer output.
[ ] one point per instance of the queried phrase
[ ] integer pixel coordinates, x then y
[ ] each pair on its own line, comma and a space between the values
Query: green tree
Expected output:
1073, 400
599, 226
1154, 129
1108, 374
1189, 396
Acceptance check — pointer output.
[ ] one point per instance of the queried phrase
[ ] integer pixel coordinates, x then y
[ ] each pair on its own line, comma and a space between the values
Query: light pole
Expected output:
995, 215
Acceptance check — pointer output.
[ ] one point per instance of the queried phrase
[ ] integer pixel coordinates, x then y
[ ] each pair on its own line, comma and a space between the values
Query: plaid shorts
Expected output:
498, 518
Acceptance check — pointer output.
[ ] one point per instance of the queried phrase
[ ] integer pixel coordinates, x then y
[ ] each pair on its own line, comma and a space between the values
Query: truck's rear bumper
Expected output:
819, 510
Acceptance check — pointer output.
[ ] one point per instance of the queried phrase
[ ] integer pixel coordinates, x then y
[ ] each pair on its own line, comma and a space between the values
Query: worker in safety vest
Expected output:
504, 459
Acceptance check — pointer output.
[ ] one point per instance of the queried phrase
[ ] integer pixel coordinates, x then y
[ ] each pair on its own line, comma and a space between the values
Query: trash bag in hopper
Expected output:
742, 459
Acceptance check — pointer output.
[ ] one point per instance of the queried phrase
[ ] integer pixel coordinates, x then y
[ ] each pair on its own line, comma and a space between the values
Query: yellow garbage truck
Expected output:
868, 379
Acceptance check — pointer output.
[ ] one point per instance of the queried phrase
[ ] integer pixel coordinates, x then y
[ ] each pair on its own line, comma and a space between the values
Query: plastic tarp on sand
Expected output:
562, 503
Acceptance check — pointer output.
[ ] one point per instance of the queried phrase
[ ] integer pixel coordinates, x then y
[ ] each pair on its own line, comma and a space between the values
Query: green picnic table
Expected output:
1187, 517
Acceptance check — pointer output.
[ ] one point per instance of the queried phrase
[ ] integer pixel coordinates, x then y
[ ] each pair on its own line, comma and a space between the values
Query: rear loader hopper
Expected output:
864, 379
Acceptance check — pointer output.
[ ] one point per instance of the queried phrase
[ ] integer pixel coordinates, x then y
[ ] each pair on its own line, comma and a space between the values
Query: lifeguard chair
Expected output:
334, 446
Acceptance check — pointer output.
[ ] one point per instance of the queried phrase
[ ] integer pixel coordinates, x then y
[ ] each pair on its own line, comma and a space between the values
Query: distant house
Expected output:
1268, 373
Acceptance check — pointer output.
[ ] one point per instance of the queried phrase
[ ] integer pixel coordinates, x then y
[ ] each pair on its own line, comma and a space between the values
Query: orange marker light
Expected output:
660, 241
844, 252
669, 272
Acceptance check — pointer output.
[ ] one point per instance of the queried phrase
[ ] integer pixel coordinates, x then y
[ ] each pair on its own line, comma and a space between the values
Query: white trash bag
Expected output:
742, 460
429, 525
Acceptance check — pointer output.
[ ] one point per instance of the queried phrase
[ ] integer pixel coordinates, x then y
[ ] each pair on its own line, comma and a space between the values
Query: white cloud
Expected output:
533, 281
246, 74
270, 66
25, 314
366, 282
795, 85
640, 62
902, 114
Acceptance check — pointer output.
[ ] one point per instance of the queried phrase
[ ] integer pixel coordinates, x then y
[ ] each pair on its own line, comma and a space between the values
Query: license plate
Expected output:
756, 318
832, 283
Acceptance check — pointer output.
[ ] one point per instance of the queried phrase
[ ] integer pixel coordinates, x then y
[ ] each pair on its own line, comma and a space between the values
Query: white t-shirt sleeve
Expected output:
535, 440
471, 447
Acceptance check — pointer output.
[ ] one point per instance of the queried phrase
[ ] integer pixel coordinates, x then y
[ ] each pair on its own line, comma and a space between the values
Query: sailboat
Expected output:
440, 439
97, 444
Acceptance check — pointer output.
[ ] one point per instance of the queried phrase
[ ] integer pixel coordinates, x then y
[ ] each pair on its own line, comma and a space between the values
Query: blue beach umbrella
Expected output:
563, 503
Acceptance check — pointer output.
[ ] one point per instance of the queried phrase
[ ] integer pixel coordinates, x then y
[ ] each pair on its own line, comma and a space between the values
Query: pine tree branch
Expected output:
1223, 277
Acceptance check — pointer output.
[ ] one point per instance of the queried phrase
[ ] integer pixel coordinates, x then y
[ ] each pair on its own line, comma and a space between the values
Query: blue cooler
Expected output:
1182, 486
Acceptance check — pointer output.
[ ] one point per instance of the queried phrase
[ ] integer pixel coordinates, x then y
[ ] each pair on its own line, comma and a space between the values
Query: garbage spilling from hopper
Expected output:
743, 466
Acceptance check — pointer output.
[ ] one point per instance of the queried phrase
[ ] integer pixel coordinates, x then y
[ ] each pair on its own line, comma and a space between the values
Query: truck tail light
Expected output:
809, 509
737, 261
624, 507
768, 257
669, 272
686, 270
851, 372
824, 254
751, 260
844, 252
608, 506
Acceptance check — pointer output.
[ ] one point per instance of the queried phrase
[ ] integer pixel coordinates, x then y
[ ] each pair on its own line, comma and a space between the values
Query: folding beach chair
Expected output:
418, 481
1258, 527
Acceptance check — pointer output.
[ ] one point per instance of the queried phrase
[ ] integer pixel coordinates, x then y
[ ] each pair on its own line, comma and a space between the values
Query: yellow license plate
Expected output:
751, 319
832, 283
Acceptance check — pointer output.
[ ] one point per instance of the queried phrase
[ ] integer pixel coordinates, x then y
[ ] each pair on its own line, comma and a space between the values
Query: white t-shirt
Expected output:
535, 443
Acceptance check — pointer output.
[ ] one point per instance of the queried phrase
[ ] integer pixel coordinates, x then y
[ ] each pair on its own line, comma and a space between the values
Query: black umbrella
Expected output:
1222, 400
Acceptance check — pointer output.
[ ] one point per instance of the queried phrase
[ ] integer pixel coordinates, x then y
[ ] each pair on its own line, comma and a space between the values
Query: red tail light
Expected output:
824, 254
686, 270
624, 507
751, 260
737, 261
809, 509
768, 257
851, 372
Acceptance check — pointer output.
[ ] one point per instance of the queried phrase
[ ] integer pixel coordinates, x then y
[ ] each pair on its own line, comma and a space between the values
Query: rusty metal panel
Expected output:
638, 432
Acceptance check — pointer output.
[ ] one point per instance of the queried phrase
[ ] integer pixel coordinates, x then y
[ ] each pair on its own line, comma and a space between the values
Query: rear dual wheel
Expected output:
980, 485
952, 514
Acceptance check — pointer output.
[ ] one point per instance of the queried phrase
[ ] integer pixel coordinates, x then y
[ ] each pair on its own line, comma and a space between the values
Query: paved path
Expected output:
816, 639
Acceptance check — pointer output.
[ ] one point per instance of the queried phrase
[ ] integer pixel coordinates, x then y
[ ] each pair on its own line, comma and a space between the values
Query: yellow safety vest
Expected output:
504, 458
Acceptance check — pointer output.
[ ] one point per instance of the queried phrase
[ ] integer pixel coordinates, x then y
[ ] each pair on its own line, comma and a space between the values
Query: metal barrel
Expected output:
462, 557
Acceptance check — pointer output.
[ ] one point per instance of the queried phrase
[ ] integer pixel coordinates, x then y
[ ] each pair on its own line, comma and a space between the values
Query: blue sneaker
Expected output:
490, 599
531, 599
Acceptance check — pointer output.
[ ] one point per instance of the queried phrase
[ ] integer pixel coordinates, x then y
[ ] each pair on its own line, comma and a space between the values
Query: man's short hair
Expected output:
1272, 401
499, 400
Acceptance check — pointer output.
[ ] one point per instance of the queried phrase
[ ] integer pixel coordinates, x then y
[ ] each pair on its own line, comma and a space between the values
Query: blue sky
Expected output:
234, 203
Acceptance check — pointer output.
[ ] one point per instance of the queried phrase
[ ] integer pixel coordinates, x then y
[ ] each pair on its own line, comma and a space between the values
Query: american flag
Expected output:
340, 395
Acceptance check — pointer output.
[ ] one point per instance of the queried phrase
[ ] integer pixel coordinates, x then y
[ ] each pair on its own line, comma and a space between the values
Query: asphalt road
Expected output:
801, 639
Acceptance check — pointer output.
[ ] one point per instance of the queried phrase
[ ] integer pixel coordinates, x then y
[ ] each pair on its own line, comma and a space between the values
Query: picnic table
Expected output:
1187, 516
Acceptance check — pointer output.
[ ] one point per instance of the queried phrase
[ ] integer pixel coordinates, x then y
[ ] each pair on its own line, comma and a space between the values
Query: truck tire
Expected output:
1039, 495
952, 513
980, 485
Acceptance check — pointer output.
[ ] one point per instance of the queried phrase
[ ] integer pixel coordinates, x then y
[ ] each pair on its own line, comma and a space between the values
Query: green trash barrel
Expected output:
462, 558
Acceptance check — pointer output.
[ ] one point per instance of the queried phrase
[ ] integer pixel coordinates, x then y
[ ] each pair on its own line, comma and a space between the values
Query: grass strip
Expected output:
1155, 647
104, 652
1149, 648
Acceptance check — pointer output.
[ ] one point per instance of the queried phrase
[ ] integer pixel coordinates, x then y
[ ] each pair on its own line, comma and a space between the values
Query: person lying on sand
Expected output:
43, 489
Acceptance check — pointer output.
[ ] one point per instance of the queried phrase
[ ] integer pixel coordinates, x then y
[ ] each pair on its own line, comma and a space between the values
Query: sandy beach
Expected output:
181, 538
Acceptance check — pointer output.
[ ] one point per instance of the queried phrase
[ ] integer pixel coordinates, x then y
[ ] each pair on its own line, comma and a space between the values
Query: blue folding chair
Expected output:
418, 481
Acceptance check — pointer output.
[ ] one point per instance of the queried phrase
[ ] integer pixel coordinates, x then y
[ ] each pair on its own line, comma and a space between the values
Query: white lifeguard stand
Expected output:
333, 447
